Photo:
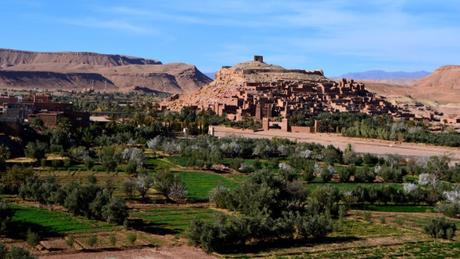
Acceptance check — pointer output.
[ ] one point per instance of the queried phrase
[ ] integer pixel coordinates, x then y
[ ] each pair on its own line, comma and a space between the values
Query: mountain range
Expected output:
81, 71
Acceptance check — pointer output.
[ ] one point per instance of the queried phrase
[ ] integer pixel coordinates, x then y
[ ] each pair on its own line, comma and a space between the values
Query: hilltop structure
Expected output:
258, 90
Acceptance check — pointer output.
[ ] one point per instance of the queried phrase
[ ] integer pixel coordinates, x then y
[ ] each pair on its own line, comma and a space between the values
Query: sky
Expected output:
336, 36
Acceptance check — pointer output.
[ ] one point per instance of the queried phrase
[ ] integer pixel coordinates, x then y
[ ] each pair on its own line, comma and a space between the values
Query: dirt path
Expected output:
145, 253
373, 146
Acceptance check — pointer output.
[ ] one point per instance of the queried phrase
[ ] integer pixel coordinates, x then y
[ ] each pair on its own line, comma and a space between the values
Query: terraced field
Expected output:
175, 220
54, 222
199, 184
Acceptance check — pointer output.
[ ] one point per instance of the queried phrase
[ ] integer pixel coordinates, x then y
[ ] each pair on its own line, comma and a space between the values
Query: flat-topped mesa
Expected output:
259, 90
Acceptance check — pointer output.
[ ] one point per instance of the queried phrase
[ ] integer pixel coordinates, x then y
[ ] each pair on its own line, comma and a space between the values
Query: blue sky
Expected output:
337, 36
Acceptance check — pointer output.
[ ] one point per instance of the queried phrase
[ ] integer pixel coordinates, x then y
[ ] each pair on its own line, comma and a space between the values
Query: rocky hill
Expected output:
443, 86
257, 89
84, 70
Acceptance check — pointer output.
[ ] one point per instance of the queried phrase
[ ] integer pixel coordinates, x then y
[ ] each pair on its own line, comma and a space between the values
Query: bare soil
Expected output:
144, 253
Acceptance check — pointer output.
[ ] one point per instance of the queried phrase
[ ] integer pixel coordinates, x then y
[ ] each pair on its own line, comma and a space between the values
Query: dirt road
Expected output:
377, 147
145, 253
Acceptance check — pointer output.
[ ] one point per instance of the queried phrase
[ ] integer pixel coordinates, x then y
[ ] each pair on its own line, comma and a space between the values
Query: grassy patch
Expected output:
399, 208
178, 160
174, 220
53, 222
422, 221
359, 228
427, 249
350, 186
159, 164
199, 184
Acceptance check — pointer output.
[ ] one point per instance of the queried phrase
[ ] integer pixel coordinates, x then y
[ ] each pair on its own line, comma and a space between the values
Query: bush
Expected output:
36, 150
14, 179
6, 213
109, 158
367, 216
308, 171
177, 192
91, 241
441, 228
4, 155
346, 173
325, 175
364, 175
131, 167
143, 185
113, 240
129, 187
18, 253
269, 206
14, 253
70, 240
131, 238
115, 211
32, 238
170, 185
451, 210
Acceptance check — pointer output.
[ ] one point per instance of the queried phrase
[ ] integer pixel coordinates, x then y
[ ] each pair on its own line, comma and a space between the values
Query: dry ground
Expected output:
162, 252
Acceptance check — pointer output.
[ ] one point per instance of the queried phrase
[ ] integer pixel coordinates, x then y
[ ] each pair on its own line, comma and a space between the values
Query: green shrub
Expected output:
91, 241
367, 216
451, 210
399, 220
32, 238
70, 240
132, 237
18, 253
441, 228
113, 240
131, 167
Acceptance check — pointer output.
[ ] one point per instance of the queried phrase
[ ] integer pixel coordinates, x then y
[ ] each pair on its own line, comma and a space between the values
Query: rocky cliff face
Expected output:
85, 70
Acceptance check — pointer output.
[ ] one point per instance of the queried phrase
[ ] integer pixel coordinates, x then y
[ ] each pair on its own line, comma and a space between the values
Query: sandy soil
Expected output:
145, 253
378, 147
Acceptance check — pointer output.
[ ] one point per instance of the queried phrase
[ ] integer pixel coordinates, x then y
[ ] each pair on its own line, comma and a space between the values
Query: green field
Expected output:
350, 186
159, 164
174, 220
178, 160
360, 228
424, 220
199, 184
428, 250
53, 222
399, 208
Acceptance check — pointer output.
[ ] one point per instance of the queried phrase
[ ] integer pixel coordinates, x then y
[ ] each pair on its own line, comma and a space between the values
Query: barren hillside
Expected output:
443, 85
84, 70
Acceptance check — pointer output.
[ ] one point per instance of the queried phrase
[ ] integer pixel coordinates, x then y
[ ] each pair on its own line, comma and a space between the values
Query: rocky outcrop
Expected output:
85, 70
256, 89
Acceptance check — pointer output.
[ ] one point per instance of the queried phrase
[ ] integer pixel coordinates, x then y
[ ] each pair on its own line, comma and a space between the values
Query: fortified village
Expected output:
271, 93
